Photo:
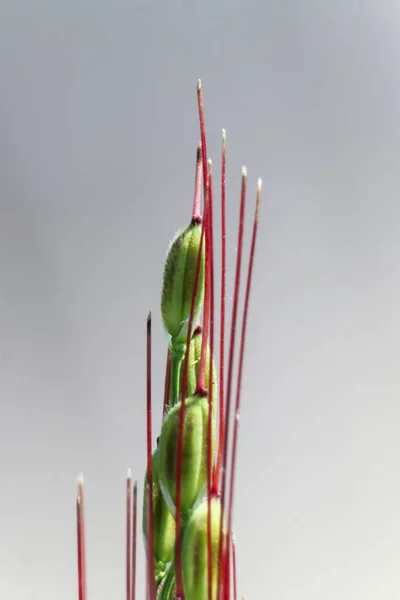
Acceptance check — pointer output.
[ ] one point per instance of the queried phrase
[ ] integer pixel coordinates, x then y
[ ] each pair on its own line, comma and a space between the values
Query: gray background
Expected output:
98, 129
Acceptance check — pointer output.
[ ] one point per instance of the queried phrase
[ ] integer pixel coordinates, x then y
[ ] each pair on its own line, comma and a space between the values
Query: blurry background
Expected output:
98, 123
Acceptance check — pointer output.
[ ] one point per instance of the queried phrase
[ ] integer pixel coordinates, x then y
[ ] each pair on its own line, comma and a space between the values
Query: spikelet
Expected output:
187, 497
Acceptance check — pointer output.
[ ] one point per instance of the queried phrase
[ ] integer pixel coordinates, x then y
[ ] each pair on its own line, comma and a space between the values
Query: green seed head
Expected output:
194, 454
178, 284
195, 552
164, 522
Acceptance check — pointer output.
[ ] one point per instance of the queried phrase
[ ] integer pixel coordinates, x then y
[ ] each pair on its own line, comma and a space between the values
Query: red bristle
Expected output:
232, 343
234, 568
234, 313
128, 533
134, 543
241, 355
150, 527
217, 470
210, 391
202, 132
178, 561
167, 382
211, 279
206, 309
80, 524
196, 214
208, 315
201, 380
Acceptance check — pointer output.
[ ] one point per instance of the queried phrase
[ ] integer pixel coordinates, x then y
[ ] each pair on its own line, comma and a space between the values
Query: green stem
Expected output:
177, 354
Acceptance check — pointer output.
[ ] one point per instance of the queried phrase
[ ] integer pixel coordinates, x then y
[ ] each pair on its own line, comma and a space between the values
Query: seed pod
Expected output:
195, 551
178, 284
163, 521
194, 452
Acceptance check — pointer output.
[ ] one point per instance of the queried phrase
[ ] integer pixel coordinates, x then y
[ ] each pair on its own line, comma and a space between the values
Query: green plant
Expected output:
188, 496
